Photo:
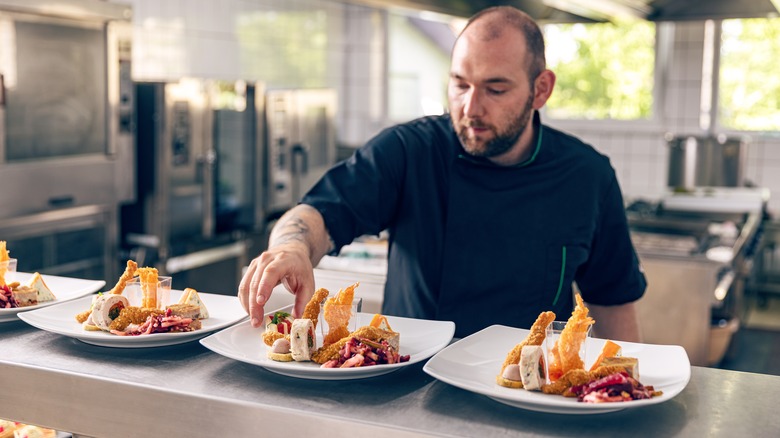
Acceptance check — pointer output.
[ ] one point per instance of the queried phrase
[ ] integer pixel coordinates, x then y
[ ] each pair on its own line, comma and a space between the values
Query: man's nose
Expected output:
472, 104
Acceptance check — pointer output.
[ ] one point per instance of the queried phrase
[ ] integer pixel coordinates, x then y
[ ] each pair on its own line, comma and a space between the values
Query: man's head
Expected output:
497, 80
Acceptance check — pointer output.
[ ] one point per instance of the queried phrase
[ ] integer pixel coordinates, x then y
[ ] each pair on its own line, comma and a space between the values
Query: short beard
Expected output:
503, 141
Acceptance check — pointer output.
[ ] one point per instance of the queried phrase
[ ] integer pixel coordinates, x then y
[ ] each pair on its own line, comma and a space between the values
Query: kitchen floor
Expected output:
756, 346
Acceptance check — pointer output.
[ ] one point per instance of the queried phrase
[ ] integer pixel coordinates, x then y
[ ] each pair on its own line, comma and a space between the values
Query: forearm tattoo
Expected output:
297, 229
293, 230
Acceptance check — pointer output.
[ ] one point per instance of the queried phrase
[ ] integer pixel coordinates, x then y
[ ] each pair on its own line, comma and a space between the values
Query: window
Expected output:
418, 66
749, 82
603, 70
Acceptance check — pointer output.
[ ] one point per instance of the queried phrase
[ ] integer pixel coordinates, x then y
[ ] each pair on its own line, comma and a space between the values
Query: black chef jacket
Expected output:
480, 244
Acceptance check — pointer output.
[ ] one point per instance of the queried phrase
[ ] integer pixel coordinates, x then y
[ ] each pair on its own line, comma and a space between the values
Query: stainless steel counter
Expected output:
187, 390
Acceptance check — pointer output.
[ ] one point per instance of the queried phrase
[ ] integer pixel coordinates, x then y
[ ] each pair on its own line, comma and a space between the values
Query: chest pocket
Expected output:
563, 260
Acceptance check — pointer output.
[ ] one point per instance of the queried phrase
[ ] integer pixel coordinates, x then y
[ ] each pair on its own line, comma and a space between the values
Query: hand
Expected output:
288, 264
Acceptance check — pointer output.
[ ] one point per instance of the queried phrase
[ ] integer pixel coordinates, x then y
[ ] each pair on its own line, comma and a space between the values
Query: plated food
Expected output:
421, 339
13, 429
561, 370
224, 311
31, 293
472, 363
15, 294
289, 339
112, 312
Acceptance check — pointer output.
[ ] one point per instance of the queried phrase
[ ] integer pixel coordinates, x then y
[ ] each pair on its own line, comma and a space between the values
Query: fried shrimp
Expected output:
566, 351
312, 309
126, 277
535, 337
337, 311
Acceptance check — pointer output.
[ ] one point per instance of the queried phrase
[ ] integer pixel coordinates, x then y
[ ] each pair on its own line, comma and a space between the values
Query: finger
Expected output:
257, 299
256, 313
263, 283
243, 287
303, 293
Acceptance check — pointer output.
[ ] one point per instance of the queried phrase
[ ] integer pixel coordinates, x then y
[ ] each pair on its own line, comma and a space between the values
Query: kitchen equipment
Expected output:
200, 200
301, 143
65, 132
696, 260
711, 161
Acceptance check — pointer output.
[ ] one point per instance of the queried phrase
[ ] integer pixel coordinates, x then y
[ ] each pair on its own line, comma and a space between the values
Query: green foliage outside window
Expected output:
287, 49
749, 91
604, 70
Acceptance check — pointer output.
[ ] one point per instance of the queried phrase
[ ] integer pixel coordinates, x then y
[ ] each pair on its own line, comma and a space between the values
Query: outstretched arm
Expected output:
297, 243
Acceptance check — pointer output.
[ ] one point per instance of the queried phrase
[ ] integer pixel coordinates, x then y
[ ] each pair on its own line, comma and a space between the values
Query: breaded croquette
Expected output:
270, 336
81, 317
331, 351
579, 377
133, 315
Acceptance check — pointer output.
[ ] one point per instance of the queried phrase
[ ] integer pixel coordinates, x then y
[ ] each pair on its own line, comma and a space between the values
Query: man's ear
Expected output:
543, 88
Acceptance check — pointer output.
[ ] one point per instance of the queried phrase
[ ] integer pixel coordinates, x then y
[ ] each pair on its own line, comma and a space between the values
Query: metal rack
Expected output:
765, 283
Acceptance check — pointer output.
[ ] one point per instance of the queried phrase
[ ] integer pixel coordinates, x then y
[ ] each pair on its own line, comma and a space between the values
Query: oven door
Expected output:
61, 97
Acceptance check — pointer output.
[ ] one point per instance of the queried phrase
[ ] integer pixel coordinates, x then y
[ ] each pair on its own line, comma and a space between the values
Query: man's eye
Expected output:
495, 91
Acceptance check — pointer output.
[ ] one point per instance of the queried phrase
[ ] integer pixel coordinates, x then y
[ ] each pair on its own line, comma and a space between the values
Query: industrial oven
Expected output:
216, 161
66, 133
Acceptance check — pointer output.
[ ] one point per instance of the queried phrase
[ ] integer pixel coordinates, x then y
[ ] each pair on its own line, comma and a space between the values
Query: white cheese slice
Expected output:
44, 293
531, 356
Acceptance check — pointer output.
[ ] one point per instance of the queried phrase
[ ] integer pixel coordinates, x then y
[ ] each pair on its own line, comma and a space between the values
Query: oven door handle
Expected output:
724, 284
299, 150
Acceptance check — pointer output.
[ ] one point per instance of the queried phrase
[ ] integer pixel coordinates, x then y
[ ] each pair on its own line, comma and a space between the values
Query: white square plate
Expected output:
61, 319
64, 288
420, 339
473, 363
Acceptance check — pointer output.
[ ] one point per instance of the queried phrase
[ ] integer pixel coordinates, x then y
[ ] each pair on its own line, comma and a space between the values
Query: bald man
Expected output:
492, 216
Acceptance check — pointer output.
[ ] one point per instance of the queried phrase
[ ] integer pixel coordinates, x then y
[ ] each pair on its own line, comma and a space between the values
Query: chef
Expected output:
492, 215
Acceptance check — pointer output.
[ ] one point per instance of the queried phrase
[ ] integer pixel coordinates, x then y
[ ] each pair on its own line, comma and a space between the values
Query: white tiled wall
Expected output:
270, 41
175, 38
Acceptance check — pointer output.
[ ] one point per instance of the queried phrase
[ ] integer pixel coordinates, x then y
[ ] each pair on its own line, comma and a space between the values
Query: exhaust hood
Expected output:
566, 11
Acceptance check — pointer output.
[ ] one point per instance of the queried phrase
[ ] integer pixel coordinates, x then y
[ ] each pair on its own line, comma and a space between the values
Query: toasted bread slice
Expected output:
629, 364
509, 383
191, 311
190, 296
280, 357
